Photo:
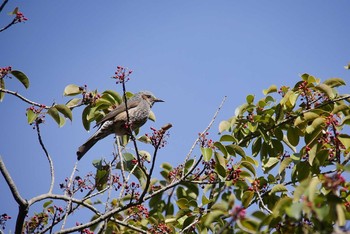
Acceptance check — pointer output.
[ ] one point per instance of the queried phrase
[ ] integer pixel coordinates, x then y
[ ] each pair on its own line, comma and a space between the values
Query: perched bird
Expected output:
115, 122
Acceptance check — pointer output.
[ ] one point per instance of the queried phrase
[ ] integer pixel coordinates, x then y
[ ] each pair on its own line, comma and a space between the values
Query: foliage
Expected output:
279, 166
296, 135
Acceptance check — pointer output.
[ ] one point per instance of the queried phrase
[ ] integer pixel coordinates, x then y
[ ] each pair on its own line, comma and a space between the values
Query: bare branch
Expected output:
32, 102
207, 128
3, 5
52, 171
11, 184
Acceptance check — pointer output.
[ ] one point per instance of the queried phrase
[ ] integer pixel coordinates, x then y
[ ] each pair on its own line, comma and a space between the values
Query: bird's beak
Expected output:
158, 100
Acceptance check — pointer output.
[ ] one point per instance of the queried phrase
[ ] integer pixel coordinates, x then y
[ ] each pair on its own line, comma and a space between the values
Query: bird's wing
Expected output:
119, 109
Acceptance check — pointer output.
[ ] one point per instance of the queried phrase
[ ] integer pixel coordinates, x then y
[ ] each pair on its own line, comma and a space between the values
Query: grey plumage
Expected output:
139, 107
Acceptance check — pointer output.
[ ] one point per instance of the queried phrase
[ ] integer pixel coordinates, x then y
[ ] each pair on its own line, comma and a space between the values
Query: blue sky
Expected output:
188, 53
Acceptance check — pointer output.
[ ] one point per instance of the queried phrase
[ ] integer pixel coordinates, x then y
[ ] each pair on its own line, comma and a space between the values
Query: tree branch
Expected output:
205, 130
3, 5
52, 171
32, 102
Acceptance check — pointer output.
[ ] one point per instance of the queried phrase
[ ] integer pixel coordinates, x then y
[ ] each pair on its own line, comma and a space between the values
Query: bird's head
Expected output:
149, 97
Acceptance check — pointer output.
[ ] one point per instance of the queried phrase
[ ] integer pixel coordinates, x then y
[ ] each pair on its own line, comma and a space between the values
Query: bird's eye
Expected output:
148, 96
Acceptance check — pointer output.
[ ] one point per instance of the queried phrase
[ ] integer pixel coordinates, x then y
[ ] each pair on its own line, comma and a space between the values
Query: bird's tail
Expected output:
86, 146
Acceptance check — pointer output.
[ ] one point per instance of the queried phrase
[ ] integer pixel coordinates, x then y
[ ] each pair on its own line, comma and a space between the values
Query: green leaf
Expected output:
346, 120
46, 204
53, 112
250, 99
306, 117
71, 90
247, 197
256, 146
152, 116
293, 136
117, 98
271, 89
212, 216
278, 188
182, 203
224, 126
31, 116
345, 140
284, 164
326, 90
220, 164
73, 102
294, 210
65, 111
334, 82
21, 77
101, 178
145, 155
249, 166
280, 206
233, 149
271, 162
312, 154
221, 147
2, 85
339, 108
207, 153
86, 122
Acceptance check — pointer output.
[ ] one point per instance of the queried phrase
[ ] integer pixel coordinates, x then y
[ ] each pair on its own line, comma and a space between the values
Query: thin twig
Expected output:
3, 5
69, 203
52, 171
13, 22
11, 184
205, 130
262, 202
32, 102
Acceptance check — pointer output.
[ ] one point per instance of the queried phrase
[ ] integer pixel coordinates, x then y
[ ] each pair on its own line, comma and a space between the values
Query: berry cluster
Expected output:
176, 173
3, 218
132, 189
20, 17
89, 97
161, 228
238, 213
122, 74
333, 182
36, 223
204, 142
139, 212
79, 184
4, 71
234, 174
158, 138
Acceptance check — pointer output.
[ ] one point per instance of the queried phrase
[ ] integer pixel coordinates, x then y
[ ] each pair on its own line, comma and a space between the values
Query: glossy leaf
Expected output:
65, 111
284, 164
345, 140
73, 102
250, 99
31, 116
293, 137
21, 77
278, 188
271, 89
71, 90
53, 112
207, 153
247, 197
326, 90
334, 82
224, 126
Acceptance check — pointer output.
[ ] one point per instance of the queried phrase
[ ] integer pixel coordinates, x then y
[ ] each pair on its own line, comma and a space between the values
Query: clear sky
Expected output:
188, 53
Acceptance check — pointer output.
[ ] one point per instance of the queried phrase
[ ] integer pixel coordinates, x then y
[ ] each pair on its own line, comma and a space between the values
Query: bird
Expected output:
115, 122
